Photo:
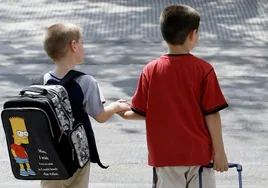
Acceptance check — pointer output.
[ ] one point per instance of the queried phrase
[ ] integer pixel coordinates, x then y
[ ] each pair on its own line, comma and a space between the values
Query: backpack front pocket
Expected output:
79, 142
31, 147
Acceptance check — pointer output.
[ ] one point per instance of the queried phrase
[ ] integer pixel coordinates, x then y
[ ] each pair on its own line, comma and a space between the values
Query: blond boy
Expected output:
64, 45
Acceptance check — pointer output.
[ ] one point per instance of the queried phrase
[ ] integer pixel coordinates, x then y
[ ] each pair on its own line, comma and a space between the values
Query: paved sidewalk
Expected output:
121, 36
239, 21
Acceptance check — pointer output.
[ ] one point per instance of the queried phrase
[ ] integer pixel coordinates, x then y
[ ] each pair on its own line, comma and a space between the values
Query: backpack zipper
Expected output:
46, 99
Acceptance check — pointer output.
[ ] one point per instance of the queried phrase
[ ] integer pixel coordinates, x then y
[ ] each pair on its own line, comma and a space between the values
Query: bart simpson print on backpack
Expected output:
20, 136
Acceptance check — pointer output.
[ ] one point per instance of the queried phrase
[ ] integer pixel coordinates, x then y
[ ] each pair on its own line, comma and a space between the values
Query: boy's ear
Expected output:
192, 34
73, 45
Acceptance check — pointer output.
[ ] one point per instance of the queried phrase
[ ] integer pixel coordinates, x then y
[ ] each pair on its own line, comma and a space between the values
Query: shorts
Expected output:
80, 179
182, 177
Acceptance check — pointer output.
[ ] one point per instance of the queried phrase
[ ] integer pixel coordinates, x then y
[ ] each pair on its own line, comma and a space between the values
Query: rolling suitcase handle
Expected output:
231, 165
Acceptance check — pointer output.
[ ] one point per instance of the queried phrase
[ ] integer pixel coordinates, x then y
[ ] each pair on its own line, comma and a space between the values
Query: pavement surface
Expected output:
121, 36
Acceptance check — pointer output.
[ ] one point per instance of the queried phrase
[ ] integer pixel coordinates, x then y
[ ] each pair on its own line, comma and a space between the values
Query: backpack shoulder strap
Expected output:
37, 79
71, 75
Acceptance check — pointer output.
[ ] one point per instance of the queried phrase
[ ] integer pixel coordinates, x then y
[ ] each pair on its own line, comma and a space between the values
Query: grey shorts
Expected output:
182, 177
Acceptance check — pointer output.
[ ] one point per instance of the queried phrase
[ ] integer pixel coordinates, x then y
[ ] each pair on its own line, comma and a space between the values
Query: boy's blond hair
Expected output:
58, 37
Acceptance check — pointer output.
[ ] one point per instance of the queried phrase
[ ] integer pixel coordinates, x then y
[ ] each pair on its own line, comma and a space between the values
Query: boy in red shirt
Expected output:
180, 98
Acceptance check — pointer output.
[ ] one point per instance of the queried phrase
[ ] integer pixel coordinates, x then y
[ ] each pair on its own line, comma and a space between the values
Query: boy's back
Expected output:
88, 87
64, 45
180, 90
179, 97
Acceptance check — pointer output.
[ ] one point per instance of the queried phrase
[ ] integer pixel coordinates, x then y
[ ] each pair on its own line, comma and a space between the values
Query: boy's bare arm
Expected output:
130, 115
110, 110
213, 122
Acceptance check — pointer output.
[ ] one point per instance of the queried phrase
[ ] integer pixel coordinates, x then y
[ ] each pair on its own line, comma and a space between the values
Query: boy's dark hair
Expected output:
176, 21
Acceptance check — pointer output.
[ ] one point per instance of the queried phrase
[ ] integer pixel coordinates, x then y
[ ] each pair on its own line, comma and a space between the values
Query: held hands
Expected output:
121, 106
125, 111
122, 112
110, 110
220, 162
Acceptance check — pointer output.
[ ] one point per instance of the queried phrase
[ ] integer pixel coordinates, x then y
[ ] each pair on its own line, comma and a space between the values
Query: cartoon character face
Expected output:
19, 130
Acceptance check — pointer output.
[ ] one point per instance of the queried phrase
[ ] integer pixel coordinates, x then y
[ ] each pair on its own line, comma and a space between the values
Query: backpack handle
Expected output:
34, 90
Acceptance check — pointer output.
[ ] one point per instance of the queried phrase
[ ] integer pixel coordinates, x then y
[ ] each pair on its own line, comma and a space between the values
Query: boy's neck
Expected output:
63, 67
178, 49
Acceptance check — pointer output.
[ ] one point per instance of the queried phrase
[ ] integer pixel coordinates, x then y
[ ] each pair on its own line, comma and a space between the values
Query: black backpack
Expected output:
48, 133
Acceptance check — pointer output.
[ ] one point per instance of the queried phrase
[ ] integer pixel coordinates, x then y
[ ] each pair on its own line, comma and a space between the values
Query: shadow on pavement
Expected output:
126, 32
240, 21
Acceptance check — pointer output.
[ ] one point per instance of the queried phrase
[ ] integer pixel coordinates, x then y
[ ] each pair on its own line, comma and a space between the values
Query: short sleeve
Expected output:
212, 98
103, 100
93, 98
13, 146
139, 100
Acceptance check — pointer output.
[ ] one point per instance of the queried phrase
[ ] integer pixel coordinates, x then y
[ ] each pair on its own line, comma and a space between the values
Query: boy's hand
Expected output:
125, 111
121, 113
114, 107
122, 101
121, 105
220, 162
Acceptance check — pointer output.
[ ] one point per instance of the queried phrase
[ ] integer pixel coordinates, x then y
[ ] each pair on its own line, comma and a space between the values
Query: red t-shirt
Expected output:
19, 150
175, 92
